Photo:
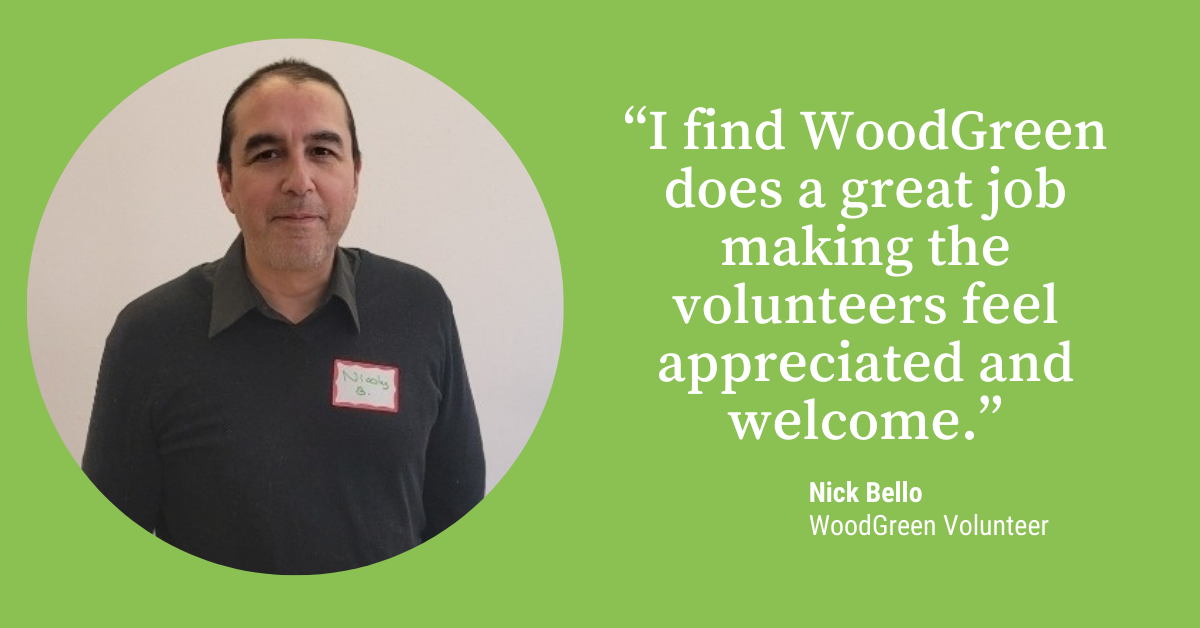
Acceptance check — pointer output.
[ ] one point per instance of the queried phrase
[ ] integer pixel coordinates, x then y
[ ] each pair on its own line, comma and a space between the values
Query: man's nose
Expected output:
298, 178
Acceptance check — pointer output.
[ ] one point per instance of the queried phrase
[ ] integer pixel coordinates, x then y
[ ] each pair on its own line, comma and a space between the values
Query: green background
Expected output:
634, 502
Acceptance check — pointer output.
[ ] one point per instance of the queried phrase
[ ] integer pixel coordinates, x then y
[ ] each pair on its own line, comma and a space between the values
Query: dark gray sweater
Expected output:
229, 447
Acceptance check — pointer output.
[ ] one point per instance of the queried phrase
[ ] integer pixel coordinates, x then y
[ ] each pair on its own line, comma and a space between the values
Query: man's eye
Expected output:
266, 155
321, 151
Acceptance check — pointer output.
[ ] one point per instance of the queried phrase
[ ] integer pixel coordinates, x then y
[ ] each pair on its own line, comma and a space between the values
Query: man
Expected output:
294, 407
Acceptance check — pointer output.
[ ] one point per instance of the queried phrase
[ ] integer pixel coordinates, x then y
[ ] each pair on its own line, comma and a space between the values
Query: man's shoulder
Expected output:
178, 303
385, 278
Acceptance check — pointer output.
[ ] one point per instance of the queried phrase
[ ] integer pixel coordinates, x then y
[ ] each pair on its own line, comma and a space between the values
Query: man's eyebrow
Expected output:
261, 139
331, 137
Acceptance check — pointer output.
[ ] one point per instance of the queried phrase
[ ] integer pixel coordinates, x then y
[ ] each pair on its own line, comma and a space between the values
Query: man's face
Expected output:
293, 182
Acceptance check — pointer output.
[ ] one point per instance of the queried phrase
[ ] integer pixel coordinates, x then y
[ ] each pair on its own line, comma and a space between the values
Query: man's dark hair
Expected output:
297, 71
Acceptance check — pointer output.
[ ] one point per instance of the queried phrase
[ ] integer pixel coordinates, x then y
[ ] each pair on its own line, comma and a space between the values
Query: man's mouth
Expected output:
298, 218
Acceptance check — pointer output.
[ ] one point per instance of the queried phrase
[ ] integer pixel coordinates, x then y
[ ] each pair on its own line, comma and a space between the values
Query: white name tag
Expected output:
366, 386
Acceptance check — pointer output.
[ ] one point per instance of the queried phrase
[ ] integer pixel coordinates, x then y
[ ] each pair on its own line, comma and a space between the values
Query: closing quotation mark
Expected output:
995, 400
641, 119
984, 400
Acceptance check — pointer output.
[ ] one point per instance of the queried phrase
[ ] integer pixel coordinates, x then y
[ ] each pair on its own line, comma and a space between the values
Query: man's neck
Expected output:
292, 293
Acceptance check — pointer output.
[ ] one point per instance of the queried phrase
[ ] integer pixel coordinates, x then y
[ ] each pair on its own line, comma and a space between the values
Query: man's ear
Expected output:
357, 171
225, 177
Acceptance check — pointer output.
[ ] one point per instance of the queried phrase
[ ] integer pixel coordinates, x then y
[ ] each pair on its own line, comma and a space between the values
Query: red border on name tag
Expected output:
364, 406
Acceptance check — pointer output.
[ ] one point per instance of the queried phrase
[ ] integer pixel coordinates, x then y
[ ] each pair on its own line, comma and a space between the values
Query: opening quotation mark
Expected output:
641, 119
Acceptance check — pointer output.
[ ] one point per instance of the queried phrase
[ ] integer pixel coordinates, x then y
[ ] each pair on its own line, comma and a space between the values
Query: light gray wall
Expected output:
139, 204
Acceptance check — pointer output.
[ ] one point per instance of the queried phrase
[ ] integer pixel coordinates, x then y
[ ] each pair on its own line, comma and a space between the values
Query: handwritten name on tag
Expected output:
366, 386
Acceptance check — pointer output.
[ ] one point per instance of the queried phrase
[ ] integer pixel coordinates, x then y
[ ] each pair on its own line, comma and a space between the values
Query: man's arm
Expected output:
121, 457
454, 466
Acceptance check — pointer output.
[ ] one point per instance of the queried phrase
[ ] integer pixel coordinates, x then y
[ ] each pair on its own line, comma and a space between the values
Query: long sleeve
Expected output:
121, 456
454, 465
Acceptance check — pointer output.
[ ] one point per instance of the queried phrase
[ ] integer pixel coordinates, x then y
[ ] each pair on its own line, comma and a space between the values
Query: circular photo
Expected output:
295, 307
